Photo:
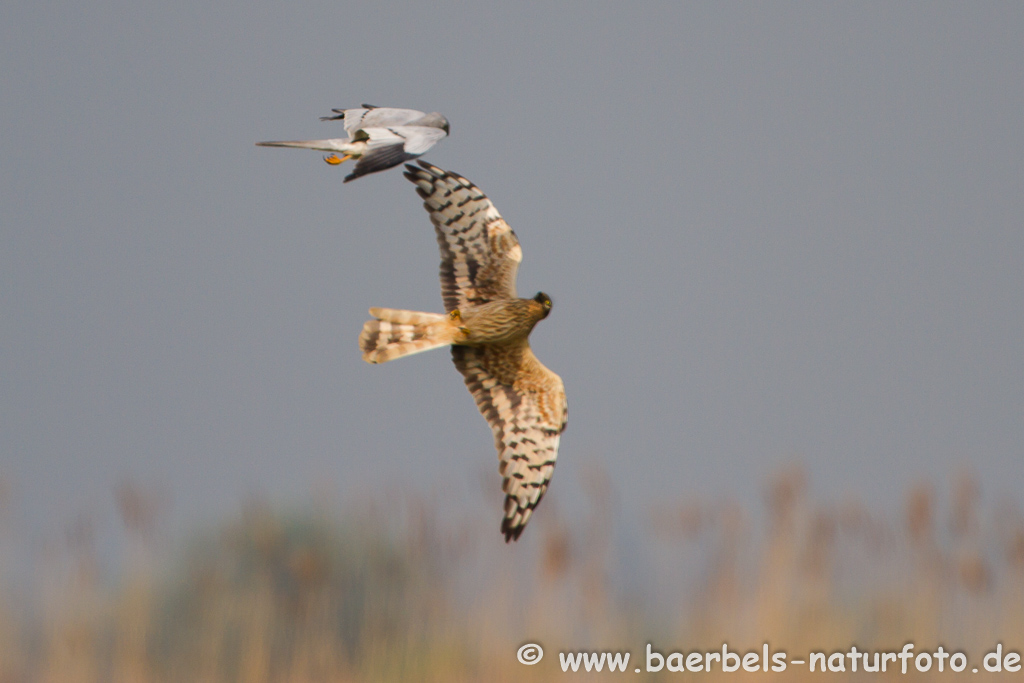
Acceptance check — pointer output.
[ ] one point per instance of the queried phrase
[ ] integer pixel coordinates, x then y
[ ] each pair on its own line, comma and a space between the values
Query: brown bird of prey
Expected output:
488, 327
379, 137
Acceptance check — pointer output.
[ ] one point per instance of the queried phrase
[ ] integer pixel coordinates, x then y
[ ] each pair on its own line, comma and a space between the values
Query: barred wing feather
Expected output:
480, 253
525, 405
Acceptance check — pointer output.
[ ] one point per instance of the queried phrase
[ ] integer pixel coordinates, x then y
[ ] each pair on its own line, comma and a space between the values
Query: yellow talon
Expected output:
455, 315
334, 160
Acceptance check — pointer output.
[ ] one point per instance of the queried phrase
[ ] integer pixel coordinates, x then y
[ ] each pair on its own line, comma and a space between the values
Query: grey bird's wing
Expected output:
480, 254
369, 116
387, 147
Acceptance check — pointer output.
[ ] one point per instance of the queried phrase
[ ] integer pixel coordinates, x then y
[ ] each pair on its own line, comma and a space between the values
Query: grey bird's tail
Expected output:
332, 145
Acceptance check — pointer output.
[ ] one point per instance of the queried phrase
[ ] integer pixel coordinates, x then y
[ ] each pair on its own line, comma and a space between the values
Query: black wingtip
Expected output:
415, 173
370, 106
511, 534
435, 171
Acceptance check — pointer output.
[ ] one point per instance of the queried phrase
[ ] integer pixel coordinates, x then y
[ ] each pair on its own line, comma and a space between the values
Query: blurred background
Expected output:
784, 247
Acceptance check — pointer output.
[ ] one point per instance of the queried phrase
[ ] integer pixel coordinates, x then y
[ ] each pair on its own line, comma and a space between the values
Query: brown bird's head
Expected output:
545, 301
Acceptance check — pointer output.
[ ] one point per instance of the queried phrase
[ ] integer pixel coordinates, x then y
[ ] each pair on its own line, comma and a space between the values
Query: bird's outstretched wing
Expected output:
387, 147
525, 405
369, 116
480, 253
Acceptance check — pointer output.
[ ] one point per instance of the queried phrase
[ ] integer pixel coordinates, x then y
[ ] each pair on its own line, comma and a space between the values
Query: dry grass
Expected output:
327, 596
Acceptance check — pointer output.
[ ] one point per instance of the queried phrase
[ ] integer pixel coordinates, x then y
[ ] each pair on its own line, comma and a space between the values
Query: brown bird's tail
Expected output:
397, 333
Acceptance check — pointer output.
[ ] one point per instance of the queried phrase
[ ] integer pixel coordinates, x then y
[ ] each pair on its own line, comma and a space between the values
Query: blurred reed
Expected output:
383, 592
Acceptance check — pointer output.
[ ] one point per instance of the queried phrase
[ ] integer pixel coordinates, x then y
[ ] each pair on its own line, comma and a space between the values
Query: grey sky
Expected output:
771, 231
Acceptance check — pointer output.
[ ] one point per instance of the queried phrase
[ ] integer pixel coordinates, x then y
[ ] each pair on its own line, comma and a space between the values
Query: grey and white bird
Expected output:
378, 137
